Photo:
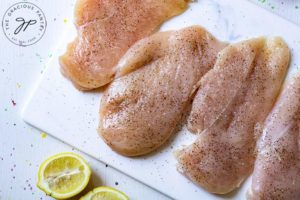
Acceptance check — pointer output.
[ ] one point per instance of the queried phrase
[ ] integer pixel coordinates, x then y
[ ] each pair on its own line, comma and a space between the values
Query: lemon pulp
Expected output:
105, 193
63, 175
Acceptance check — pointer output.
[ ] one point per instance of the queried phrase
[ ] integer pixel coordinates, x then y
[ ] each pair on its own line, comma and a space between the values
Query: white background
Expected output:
23, 148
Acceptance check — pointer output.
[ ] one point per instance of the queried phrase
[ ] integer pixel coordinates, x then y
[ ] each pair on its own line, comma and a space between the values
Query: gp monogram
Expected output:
24, 24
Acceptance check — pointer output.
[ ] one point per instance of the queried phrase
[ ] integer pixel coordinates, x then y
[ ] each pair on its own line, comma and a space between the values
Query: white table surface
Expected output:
22, 148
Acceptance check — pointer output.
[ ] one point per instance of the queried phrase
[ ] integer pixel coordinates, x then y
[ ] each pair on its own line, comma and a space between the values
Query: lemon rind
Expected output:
89, 195
42, 184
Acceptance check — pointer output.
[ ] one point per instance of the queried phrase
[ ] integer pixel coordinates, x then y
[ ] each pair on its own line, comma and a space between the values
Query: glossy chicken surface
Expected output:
141, 110
220, 86
277, 168
232, 101
106, 30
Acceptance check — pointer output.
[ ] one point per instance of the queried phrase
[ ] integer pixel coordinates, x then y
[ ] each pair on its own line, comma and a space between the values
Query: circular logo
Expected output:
24, 24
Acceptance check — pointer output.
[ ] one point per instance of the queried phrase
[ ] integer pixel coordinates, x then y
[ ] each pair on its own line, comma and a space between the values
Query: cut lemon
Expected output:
105, 193
63, 175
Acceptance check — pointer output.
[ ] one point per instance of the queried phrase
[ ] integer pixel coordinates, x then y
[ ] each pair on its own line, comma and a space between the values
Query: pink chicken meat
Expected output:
277, 168
233, 99
141, 110
106, 30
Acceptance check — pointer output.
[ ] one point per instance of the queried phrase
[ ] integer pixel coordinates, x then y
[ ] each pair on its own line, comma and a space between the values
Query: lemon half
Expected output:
63, 175
105, 193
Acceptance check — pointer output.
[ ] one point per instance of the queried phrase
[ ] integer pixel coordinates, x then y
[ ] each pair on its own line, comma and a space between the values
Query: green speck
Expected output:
43, 135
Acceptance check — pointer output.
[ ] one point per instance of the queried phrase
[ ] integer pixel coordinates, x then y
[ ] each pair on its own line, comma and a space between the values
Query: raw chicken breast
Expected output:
277, 167
234, 102
106, 30
140, 111
219, 87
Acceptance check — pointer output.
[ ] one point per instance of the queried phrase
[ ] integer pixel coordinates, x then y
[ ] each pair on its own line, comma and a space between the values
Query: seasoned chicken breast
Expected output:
140, 111
106, 30
277, 167
229, 106
220, 86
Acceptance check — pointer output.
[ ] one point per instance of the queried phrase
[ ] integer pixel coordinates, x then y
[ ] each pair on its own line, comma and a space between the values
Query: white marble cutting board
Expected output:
57, 108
